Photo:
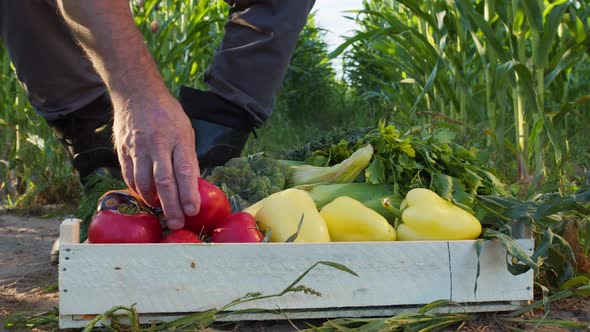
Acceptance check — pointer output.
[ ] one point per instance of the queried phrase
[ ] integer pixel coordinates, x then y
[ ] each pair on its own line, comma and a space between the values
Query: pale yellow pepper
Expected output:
427, 216
281, 212
349, 220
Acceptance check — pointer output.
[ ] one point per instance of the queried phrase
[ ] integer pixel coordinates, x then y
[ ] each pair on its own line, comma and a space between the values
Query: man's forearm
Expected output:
158, 163
107, 32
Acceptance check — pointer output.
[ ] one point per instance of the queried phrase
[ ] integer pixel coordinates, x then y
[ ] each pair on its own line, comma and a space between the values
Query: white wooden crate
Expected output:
167, 281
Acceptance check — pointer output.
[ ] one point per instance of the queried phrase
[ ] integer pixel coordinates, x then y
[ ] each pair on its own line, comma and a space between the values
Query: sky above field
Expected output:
331, 16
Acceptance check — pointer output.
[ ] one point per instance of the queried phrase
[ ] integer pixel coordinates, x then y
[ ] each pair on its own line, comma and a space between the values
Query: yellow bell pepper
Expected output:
350, 220
281, 213
427, 216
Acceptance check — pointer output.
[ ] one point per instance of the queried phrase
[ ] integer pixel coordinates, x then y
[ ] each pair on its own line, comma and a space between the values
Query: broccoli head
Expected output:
276, 171
233, 176
251, 178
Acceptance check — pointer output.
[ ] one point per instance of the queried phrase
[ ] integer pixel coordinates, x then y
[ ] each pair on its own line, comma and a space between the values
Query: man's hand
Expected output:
156, 146
153, 136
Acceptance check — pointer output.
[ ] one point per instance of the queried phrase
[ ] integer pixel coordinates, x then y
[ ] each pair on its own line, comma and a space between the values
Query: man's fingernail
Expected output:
175, 224
190, 210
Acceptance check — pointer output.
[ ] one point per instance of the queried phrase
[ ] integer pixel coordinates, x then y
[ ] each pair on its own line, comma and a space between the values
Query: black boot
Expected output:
221, 128
87, 136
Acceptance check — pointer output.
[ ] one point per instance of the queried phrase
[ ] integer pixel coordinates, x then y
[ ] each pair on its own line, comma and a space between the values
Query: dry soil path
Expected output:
28, 282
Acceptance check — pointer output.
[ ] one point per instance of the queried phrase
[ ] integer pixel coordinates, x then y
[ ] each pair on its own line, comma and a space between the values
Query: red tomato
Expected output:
236, 235
214, 207
181, 236
111, 226
237, 227
238, 220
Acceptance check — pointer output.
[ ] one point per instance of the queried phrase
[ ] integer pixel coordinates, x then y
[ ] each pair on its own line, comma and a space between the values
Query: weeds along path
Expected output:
28, 282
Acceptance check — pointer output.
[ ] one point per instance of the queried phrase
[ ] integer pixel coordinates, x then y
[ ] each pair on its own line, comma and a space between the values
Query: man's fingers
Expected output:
168, 192
127, 169
144, 180
186, 170
158, 163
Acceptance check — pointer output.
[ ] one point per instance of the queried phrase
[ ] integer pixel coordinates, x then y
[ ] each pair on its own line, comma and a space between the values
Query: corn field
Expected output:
514, 72
509, 76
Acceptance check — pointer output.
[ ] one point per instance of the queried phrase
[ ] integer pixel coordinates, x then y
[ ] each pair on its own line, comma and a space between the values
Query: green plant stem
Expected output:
496, 143
540, 92
520, 120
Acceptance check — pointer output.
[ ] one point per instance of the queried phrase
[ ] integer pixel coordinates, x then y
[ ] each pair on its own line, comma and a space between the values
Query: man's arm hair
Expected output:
107, 32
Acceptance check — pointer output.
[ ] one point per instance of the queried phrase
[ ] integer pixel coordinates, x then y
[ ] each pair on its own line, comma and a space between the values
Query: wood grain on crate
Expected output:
177, 278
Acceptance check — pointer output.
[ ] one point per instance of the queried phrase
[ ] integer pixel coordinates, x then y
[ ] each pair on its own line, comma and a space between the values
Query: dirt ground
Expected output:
28, 282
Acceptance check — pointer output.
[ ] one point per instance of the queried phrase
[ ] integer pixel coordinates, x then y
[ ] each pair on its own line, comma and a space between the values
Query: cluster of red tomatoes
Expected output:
122, 217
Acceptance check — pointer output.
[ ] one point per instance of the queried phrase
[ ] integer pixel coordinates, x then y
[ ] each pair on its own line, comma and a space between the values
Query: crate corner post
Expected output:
69, 233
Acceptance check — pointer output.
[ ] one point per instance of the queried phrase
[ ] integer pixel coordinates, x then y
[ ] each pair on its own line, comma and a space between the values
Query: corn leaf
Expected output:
476, 19
429, 83
581, 290
517, 260
554, 16
533, 13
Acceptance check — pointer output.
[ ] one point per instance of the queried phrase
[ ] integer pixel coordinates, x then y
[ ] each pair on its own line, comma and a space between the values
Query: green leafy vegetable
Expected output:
426, 159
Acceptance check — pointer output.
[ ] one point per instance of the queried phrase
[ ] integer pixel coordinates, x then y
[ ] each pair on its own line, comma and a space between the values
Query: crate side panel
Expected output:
184, 278
495, 282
